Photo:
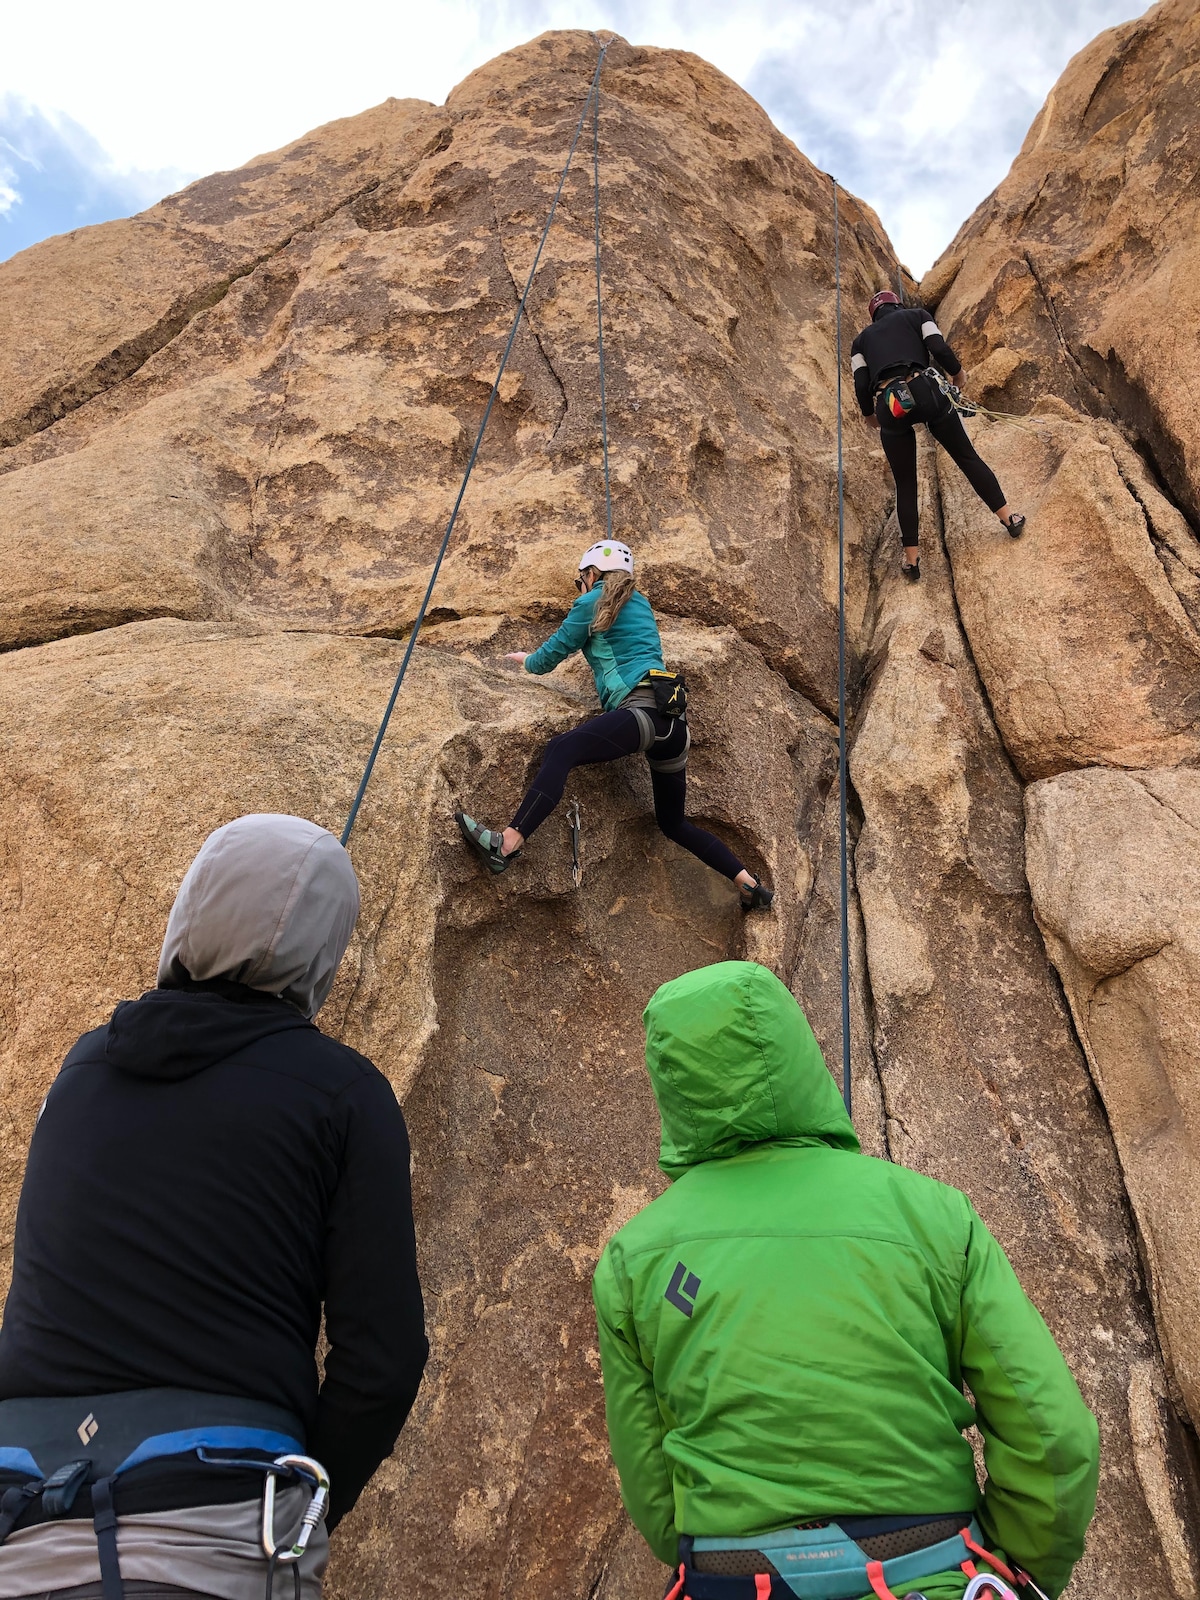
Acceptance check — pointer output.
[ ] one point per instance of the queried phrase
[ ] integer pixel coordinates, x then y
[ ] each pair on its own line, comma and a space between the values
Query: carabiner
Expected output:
303, 1466
978, 1589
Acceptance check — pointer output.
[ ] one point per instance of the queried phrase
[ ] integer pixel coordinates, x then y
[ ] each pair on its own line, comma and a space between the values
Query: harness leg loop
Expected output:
876, 1580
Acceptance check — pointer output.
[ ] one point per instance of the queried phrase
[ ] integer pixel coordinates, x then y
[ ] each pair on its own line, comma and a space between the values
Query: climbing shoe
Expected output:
755, 896
913, 572
1015, 525
485, 842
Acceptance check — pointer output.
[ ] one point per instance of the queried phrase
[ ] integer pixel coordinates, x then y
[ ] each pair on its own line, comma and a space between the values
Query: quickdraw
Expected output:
970, 408
575, 826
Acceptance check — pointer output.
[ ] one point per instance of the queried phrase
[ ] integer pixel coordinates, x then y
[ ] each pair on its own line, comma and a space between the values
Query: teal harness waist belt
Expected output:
826, 1563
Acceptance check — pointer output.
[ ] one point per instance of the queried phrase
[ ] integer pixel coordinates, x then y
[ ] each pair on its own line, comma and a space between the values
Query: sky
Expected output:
918, 106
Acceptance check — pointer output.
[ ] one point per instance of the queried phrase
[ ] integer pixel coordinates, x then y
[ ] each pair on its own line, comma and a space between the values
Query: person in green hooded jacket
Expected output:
786, 1332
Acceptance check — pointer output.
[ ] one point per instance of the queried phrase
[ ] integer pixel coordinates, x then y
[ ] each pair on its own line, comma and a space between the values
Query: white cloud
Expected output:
918, 105
55, 176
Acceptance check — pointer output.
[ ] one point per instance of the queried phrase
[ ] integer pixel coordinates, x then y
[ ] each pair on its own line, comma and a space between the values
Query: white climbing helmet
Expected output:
608, 555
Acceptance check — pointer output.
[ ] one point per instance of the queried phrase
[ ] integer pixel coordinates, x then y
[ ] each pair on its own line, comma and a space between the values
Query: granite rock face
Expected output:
226, 461
1114, 867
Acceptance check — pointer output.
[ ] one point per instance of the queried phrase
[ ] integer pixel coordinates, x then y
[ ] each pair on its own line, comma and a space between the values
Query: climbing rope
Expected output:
593, 92
841, 482
972, 408
599, 311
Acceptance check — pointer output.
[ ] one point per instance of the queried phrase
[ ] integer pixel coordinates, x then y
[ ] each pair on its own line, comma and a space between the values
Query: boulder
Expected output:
1114, 867
505, 1012
1082, 270
1087, 650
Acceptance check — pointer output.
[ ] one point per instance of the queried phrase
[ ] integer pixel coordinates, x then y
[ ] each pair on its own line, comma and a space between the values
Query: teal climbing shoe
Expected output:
485, 842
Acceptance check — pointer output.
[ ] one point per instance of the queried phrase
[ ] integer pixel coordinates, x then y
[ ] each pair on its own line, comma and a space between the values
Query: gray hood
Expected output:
269, 902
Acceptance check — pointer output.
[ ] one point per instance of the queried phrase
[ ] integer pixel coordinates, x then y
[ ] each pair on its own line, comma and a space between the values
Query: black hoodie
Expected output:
900, 339
207, 1170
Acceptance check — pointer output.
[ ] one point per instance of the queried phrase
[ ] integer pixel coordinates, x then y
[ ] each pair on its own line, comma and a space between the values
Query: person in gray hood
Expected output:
208, 1176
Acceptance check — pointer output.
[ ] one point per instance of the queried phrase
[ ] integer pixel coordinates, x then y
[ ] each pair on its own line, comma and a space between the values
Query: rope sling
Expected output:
592, 94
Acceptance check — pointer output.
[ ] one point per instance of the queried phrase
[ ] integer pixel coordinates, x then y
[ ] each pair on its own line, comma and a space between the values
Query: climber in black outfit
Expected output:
889, 359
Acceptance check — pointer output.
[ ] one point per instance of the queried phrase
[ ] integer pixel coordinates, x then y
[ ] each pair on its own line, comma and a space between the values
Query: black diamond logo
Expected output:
683, 1289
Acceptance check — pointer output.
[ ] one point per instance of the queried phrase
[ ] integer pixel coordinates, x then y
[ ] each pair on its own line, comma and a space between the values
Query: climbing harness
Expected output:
842, 825
840, 1559
120, 1432
593, 93
576, 832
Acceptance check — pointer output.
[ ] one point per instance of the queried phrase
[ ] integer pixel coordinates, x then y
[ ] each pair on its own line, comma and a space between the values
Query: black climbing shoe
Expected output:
485, 842
1015, 525
913, 572
755, 896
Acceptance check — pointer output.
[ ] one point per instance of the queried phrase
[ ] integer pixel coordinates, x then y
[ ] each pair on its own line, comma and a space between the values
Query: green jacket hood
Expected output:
733, 1063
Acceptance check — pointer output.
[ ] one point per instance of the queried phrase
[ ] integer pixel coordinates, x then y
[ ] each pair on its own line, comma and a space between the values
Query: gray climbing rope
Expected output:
593, 92
841, 483
599, 311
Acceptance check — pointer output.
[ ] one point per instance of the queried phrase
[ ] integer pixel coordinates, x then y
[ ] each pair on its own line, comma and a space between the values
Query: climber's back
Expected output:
786, 1331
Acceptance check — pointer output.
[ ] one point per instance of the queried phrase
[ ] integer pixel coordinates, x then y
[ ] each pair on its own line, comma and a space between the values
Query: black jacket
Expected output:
206, 1171
899, 339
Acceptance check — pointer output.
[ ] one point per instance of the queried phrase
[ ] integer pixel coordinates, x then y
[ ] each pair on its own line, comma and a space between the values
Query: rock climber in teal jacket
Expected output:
620, 657
612, 624
786, 1332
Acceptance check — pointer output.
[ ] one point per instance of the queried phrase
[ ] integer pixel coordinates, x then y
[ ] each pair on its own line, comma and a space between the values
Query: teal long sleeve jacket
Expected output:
620, 657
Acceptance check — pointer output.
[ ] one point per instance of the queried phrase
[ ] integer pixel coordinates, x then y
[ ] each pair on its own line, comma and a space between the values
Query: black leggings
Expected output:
898, 435
608, 738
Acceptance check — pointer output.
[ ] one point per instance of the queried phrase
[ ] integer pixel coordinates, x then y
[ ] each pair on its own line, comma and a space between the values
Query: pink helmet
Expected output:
885, 297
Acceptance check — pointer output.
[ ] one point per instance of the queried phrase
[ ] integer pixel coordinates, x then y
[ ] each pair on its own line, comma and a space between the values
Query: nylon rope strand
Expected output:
845, 928
437, 565
599, 310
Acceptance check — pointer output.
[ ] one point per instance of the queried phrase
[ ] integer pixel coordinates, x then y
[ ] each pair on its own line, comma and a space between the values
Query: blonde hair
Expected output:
618, 586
